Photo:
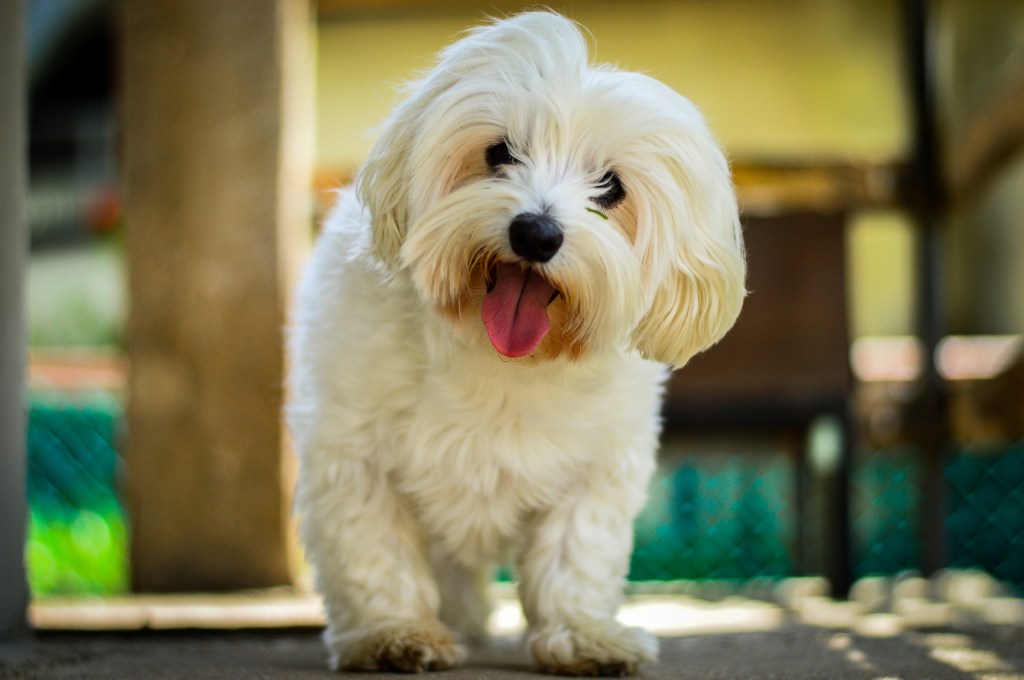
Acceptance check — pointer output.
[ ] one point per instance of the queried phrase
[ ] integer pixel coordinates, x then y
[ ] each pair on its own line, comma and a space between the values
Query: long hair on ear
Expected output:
383, 183
691, 242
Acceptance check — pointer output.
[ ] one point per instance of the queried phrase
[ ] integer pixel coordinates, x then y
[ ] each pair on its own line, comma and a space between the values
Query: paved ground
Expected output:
960, 626
792, 651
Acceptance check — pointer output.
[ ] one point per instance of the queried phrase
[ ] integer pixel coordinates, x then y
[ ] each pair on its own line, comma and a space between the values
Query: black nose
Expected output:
534, 237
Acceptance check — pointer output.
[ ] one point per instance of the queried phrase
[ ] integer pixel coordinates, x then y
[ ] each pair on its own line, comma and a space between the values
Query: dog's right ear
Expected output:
383, 184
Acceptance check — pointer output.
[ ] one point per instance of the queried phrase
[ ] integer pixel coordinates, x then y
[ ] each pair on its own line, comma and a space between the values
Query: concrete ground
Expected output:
792, 651
963, 628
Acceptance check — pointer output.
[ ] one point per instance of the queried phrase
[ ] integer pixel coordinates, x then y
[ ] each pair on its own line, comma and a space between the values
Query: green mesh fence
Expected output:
885, 502
984, 518
77, 542
713, 513
985, 512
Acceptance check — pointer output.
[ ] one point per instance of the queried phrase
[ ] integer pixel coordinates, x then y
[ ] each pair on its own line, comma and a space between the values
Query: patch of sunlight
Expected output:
879, 625
969, 660
683, 616
506, 618
665, 616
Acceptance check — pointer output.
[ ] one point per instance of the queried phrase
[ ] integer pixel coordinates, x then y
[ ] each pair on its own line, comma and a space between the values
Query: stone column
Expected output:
217, 127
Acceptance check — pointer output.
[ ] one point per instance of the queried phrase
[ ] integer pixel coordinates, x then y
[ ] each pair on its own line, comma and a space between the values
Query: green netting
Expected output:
77, 536
713, 514
885, 509
984, 517
985, 512
716, 515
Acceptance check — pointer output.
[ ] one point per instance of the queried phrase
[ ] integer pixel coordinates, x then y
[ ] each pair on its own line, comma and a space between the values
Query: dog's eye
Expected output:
614, 192
499, 154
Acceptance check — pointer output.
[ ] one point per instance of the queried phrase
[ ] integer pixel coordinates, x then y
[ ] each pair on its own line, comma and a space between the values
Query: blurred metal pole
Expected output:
927, 201
13, 247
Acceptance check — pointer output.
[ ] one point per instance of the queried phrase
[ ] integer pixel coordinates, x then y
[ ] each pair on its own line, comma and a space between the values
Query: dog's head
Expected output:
551, 207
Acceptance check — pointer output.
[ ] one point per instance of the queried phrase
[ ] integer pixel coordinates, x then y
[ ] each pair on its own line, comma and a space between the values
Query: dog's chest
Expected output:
480, 457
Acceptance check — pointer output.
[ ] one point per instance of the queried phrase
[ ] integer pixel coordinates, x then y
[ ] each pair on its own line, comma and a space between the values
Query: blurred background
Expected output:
865, 417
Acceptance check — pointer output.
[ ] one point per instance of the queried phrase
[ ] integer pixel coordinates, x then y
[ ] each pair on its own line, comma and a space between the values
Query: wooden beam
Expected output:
216, 110
766, 189
992, 138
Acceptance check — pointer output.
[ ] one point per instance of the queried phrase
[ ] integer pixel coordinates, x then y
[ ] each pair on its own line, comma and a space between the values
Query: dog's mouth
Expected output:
515, 308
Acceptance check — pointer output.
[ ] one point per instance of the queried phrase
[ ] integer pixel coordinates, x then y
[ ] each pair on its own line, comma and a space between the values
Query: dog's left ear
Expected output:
701, 286
384, 182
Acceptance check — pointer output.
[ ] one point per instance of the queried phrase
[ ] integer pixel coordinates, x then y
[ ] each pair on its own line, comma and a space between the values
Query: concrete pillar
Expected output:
13, 250
217, 125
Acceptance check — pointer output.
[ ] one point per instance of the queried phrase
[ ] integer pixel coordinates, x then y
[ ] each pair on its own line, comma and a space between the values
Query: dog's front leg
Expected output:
571, 577
379, 594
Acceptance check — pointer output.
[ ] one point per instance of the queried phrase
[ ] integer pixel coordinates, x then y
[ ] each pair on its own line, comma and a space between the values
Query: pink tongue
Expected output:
515, 312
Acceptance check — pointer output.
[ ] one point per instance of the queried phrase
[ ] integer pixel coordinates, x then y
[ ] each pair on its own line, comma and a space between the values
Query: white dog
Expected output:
480, 345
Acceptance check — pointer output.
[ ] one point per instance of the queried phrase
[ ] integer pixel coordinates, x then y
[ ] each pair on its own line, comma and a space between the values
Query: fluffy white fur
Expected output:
426, 456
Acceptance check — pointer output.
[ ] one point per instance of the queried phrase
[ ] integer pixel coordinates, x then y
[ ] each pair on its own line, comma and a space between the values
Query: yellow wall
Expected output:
881, 273
777, 79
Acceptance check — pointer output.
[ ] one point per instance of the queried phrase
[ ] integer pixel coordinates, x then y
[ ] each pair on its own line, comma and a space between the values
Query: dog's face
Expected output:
551, 208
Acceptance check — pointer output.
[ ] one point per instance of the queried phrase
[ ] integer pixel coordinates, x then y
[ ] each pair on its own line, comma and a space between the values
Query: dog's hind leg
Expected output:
465, 598
380, 596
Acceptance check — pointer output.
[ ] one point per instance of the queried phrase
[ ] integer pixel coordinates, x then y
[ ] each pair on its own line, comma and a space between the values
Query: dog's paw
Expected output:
401, 646
602, 650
